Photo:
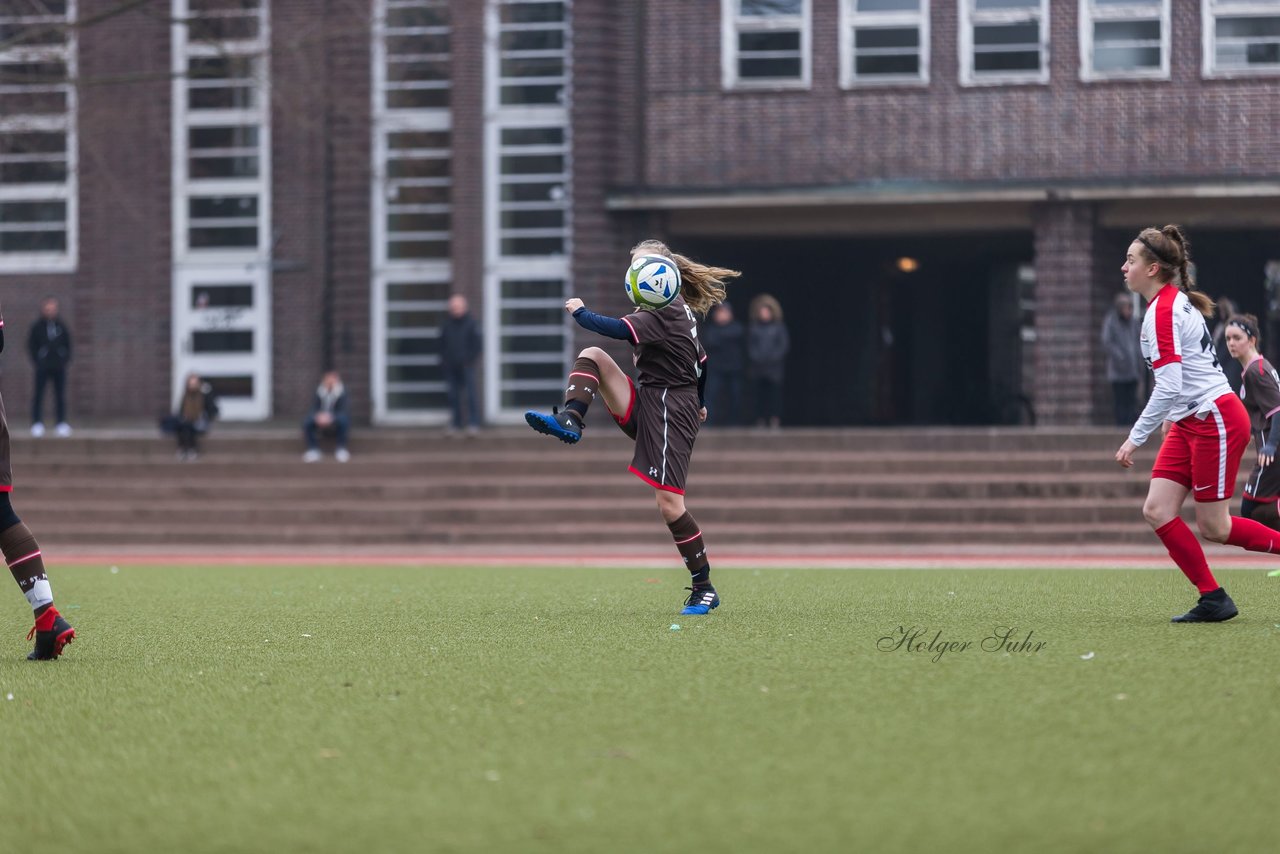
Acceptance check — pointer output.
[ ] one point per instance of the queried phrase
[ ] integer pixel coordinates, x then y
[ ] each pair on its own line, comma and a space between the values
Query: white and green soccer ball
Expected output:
653, 281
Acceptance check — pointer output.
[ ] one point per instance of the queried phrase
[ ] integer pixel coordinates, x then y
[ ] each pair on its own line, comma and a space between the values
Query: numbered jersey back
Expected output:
1174, 332
668, 352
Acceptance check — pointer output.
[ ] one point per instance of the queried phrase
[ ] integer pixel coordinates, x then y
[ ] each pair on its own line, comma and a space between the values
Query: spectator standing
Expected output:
330, 414
1121, 342
767, 347
724, 339
460, 347
50, 347
194, 413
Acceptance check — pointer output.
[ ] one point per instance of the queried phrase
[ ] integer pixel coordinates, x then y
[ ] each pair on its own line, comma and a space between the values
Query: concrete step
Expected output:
288, 440
612, 485
653, 535
779, 514
405, 487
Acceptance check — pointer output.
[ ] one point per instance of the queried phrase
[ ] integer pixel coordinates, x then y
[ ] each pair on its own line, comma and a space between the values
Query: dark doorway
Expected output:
899, 330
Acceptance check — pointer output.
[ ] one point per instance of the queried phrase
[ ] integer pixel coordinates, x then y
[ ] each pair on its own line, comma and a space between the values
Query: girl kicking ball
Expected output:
663, 408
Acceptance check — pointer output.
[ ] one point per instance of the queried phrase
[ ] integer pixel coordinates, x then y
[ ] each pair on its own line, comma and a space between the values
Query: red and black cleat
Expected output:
49, 644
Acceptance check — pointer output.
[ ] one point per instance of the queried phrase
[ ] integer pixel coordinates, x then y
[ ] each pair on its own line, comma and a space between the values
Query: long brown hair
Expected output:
702, 285
1169, 248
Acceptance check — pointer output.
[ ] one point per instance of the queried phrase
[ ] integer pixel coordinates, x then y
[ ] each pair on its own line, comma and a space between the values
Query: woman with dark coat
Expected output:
767, 347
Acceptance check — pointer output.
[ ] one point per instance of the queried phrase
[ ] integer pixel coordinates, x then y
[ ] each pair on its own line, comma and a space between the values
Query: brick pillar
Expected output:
599, 246
467, 45
1071, 298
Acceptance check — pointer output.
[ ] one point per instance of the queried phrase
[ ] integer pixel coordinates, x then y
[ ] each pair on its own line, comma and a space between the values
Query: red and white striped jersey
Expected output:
1178, 347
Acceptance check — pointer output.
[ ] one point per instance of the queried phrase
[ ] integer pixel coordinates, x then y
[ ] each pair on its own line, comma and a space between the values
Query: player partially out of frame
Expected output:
663, 414
22, 554
1260, 393
1207, 426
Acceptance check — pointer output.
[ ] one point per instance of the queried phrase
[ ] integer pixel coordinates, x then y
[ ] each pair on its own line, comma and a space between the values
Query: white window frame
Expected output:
246, 265
67, 191
389, 271
971, 17
851, 19
1211, 11
1091, 13
499, 267
732, 24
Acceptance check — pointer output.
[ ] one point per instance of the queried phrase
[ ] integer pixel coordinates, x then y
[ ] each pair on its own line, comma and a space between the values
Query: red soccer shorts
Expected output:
1203, 452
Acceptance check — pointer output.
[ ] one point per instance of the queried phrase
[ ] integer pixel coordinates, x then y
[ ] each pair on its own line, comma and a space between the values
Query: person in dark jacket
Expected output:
460, 347
724, 339
330, 413
194, 413
767, 347
50, 347
1121, 334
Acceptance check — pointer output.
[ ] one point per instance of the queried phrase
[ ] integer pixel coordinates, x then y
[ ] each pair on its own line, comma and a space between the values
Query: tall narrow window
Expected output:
38, 202
532, 60
1241, 37
532, 205
412, 227
222, 119
528, 166
1004, 41
1124, 39
222, 201
765, 43
884, 41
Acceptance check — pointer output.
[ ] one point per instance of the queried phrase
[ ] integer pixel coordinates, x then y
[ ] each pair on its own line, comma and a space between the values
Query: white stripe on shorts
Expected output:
1222, 450
663, 479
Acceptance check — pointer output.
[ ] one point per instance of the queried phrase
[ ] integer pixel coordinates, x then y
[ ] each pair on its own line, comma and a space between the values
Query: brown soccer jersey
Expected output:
1260, 391
668, 353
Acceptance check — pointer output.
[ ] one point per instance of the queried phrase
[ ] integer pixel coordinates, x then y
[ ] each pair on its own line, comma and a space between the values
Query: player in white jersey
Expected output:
1207, 426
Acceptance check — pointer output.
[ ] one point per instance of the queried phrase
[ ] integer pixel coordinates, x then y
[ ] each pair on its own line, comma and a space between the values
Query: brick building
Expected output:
939, 192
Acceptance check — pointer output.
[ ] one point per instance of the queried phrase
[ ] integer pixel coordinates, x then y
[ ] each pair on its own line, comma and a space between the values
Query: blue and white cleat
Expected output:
701, 600
565, 425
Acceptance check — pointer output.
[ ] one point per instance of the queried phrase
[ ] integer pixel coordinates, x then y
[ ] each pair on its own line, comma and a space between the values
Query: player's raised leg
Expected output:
22, 554
594, 371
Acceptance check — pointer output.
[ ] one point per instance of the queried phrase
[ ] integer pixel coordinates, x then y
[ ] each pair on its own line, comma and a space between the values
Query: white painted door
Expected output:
222, 331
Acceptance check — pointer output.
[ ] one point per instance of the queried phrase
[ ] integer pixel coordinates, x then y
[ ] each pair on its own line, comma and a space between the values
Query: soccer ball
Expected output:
653, 281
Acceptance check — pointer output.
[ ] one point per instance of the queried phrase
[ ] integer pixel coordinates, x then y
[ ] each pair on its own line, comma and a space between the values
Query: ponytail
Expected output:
1169, 248
702, 285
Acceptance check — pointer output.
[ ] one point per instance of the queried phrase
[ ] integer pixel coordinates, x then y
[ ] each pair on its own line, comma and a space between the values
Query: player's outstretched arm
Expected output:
610, 327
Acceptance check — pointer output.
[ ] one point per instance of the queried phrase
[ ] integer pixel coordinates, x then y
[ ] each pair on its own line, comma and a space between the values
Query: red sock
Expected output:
1187, 554
1254, 536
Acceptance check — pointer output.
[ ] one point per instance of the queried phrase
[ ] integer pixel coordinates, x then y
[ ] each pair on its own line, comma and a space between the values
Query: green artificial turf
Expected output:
299, 709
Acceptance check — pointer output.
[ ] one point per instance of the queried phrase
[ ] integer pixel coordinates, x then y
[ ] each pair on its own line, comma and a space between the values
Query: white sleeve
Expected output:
1164, 397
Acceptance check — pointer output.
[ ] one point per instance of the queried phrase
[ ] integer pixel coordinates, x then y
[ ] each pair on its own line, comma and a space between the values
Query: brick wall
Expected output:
699, 136
348, 99
1069, 312
117, 300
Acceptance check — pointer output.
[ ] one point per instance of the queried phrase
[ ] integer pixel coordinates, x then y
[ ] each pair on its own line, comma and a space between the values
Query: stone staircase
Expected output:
837, 489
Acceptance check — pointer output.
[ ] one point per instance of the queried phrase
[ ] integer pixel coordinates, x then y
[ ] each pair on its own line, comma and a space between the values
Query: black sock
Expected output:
584, 382
688, 537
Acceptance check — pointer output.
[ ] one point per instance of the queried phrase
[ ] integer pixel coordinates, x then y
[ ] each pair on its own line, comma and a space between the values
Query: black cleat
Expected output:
702, 599
1214, 607
49, 645
565, 425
